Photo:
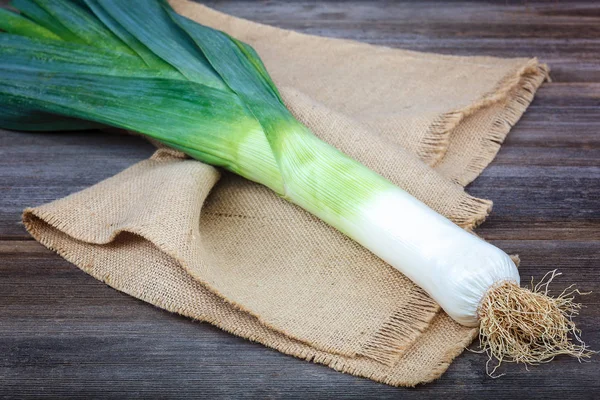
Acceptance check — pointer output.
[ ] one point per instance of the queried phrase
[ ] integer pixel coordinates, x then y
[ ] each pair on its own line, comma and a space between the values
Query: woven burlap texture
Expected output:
234, 254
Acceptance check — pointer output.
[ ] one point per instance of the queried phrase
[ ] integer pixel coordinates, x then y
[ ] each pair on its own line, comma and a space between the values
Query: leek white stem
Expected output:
454, 266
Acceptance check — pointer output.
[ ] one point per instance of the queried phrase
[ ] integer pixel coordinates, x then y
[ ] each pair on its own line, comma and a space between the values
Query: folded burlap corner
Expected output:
235, 255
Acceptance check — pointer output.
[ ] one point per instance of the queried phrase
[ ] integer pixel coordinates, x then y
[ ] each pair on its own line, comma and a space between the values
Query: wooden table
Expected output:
63, 334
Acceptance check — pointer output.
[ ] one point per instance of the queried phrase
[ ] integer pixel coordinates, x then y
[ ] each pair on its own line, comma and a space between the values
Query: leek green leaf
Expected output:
83, 24
231, 63
210, 125
19, 25
43, 18
45, 55
254, 58
151, 59
149, 23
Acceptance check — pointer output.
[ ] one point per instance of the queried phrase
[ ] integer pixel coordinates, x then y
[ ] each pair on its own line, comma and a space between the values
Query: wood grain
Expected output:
63, 334
565, 34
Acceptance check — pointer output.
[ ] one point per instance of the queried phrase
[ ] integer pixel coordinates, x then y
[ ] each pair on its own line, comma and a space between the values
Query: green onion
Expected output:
68, 64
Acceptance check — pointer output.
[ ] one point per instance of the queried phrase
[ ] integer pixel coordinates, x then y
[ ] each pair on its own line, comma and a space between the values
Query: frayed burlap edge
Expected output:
472, 212
402, 329
526, 80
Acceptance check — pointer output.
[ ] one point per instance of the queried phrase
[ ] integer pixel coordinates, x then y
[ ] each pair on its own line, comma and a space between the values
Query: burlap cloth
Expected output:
256, 266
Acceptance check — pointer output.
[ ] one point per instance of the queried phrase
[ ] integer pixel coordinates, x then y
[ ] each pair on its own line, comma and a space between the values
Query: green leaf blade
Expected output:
18, 25
151, 59
84, 25
151, 25
230, 63
258, 64
43, 18
56, 56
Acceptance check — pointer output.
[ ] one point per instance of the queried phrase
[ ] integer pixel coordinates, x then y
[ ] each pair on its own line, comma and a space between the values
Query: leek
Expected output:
69, 64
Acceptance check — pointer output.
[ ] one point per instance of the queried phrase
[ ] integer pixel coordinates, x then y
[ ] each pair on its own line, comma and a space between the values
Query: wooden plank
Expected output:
564, 34
64, 334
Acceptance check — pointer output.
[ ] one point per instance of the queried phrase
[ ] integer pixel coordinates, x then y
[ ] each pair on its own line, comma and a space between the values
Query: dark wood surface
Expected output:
64, 334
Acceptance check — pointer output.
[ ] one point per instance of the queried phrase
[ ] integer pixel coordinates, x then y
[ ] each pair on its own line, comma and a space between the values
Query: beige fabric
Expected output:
256, 266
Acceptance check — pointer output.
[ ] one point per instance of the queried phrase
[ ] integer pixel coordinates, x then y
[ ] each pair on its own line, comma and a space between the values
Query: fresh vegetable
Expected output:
79, 64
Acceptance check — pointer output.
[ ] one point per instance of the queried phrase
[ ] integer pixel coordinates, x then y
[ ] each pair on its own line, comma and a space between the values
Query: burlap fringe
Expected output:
525, 80
472, 212
435, 143
343, 366
402, 329
531, 78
